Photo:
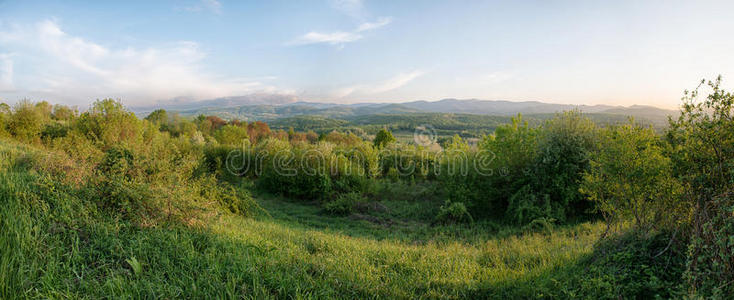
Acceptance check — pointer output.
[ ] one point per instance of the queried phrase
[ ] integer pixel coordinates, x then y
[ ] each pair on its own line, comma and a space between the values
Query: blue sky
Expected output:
347, 51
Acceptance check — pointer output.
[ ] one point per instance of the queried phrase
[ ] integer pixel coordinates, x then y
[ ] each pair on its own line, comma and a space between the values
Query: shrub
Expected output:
383, 138
631, 178
702, 144
235, 200
299, 172
565, 146
158, 117
525, 206
26, 121
108, 123
231, 135
635, 265
54, 130
454, 212
63, 113
344, 203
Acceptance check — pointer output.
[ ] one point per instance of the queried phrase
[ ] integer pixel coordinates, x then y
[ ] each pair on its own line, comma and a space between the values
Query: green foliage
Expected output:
135, 265
63, 113
158, 117
522, 173
231, 135
108, 123
4, 118
453, 212
383, 138
527, 205
154, 208
26, 121
344, 203
631, 178
702, 142
634, 265
565, 146
54, 130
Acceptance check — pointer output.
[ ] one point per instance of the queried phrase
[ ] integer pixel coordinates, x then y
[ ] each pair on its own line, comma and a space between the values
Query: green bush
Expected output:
344, 203
453, 212
634, 265
108, 123
702, 152
54, 130
383, 138
232, 135
26, 121
631, 178
526, 205
236, 200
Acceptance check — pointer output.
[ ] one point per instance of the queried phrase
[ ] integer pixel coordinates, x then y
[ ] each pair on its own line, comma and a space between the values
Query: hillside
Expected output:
257, 110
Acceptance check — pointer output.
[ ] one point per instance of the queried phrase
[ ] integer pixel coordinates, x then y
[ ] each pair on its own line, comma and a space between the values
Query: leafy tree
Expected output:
63, 113
702, 140
216, 122
107, 122
631, 178
231, 135
257, 131
565, 145
4, 116
158, 117
383, 138
26, 121
4, 109
511, 153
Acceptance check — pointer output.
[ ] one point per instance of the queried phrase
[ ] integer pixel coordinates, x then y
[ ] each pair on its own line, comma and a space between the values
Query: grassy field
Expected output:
55, 244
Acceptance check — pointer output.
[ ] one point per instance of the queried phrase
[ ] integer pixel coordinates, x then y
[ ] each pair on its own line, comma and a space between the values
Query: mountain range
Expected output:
268, 107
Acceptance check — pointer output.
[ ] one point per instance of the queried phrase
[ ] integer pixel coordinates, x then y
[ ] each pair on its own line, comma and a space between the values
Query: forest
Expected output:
101, 203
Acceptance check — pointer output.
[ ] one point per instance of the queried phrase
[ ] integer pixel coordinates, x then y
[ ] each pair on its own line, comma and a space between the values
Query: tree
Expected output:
4, 116
158, 117
26, 121
231, 135
565, 145
63, 113
108, 122
383, 138
702, 141
631, 178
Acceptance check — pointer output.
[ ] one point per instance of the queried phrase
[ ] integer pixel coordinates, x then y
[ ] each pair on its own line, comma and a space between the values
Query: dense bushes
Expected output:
631, 179
141, 171
702, 142
522, 173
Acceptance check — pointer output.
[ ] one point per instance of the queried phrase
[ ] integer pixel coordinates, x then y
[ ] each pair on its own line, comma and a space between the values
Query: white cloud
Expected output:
340, 37
333, 38
75, 69
210, 5
390, 84
352, 8
370, 26
6, 72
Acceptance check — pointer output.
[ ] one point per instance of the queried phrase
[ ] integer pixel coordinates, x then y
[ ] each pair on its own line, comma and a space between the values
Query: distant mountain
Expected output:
498, 107
219, 103
268, 107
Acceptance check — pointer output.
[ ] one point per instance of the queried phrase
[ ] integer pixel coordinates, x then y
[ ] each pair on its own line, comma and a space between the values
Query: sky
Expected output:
350, 51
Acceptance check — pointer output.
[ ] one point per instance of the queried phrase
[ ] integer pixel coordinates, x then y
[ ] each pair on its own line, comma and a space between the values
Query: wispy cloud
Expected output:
352, 8
390, 84
374, 25
78, 68
6, 72
340, 37
206, 5
333, 38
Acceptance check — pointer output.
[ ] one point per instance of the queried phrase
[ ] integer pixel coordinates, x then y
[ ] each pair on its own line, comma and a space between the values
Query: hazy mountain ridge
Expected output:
271, 107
